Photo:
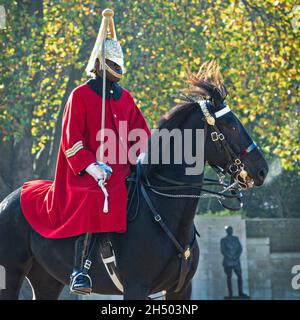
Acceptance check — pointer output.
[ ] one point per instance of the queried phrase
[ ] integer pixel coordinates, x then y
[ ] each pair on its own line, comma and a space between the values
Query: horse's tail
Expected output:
15, 251
11, 200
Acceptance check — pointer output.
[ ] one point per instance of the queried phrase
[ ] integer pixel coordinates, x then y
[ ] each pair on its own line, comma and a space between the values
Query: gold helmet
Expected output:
107, 39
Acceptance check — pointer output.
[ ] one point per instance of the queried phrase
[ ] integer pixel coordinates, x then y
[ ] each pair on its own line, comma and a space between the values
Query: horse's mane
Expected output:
207, 83
174, 117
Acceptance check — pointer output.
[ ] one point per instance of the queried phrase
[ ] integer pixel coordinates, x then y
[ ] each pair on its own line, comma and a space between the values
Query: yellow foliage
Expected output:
256, 46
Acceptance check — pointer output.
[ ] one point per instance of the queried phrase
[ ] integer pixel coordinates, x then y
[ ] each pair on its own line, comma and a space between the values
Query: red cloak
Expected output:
72, 204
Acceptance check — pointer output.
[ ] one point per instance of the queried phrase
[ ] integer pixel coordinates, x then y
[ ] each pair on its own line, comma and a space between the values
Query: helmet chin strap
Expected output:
112, 72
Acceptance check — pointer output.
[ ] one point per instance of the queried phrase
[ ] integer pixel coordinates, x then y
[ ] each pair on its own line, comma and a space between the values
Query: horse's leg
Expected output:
13, 282
184, 294
133, 290
44, 285
15, 255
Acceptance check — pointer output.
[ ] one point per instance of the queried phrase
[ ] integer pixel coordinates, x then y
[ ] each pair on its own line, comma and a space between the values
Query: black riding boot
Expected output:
81, 282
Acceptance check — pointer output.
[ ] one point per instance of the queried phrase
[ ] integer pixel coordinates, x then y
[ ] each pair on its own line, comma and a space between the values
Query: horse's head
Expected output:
228, 144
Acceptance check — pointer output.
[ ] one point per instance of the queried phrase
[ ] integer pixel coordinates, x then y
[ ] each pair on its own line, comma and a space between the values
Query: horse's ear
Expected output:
218, 97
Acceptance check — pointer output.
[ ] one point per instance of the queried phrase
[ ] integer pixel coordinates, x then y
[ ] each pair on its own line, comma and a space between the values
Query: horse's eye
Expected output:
233, 128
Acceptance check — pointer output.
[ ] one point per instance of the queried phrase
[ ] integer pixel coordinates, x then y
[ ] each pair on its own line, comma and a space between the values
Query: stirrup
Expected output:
87, 281
85, 288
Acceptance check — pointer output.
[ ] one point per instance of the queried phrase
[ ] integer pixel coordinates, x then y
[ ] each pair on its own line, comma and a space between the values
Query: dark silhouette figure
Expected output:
231, 249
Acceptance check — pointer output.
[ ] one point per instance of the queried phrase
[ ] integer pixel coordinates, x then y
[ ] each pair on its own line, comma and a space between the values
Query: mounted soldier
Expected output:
88, 194
159, 251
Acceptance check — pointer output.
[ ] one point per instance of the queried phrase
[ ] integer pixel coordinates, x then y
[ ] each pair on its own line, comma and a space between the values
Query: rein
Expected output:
176, 185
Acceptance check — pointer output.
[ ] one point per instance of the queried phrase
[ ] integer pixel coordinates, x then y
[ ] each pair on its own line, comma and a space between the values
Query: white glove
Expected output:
141, 157
96, 172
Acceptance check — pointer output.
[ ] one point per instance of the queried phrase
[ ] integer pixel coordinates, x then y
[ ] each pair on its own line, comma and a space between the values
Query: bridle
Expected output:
235, 168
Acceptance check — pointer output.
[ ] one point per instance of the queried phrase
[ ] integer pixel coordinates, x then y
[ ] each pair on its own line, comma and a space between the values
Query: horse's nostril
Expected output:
262, 173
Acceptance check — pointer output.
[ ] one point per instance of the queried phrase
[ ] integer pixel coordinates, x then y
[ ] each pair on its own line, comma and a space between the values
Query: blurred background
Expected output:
45, 46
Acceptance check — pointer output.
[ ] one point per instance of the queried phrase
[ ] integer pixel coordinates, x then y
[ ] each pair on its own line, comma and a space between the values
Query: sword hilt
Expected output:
101, 184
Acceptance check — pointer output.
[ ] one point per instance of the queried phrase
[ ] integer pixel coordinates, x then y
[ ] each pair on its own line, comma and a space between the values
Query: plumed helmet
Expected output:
107, 40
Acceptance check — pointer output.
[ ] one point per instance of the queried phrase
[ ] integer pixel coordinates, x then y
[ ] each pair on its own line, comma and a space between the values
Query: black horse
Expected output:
147, 254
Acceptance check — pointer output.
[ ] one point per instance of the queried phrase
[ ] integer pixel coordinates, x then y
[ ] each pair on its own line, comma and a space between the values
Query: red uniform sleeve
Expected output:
137, 121
72, 138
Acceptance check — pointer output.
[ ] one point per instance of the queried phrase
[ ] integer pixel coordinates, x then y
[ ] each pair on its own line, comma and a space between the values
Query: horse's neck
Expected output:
180, 212
183, 208
186, 159
186, 224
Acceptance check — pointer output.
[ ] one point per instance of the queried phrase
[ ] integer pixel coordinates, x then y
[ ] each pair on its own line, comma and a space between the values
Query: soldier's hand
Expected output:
96, 172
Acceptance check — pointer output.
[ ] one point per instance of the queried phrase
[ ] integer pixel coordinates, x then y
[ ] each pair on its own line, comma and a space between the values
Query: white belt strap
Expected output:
112, 274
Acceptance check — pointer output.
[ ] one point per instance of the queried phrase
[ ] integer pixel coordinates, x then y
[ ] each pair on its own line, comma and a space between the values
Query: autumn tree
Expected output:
46, 44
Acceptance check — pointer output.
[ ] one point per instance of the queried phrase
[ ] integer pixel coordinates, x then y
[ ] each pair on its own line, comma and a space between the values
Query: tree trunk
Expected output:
6, 183
17, 162
22, 165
